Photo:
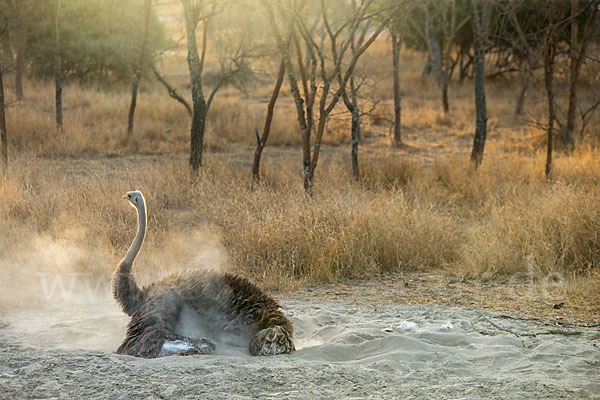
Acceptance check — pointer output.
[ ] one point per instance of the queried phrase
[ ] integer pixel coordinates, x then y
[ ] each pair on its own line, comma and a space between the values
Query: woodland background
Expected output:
313, 141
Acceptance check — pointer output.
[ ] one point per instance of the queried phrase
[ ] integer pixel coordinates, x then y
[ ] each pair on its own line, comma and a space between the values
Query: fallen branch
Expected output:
569, 324
534, 334
500, 328
541, 321
559, 332
507, 316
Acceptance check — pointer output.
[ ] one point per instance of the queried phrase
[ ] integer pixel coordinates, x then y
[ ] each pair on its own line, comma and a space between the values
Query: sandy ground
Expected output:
345, 350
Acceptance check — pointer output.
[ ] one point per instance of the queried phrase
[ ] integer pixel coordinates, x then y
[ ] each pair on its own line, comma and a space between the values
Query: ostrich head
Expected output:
135, 198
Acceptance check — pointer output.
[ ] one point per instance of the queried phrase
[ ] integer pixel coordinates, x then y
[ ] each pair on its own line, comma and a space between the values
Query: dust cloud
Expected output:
230, 339
56, 290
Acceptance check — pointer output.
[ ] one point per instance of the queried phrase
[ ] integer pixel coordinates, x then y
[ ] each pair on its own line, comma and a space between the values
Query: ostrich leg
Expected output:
275, 336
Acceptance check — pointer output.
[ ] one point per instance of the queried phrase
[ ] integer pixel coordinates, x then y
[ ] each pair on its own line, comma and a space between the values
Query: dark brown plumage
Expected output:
225, 301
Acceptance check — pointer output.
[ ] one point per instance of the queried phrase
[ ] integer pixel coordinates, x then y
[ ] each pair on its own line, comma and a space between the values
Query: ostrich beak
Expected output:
125, 197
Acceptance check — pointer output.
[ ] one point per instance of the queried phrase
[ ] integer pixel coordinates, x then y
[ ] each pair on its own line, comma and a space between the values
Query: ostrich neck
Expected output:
139, 237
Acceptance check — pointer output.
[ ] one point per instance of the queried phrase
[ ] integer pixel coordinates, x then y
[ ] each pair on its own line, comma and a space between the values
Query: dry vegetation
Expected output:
422, 207
447, 217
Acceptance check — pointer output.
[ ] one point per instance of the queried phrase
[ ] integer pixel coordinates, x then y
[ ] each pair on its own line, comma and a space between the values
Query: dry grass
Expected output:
68, 216
419, 208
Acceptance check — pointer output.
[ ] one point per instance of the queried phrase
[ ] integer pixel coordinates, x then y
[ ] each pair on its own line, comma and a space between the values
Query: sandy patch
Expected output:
344, 351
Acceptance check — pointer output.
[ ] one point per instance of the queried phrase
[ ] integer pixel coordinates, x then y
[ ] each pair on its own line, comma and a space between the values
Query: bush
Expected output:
100, 40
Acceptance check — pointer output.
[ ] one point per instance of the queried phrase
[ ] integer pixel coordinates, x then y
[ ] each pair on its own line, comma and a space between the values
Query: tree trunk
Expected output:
140, 65
352, 106
447, 65
57, 72
550, 53
323, 114
3, 136
7, 51
396, 43
200, 108
355, 128
426, 69
522, 94
22, 32
465, 68
445, 103
295, 89
574, 43
461, 67
262, 141
355, 139
435, 55
480, 31
23, 14
576, 57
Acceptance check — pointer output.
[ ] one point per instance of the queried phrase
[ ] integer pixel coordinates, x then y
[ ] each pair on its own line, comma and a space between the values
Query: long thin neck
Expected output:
139, 237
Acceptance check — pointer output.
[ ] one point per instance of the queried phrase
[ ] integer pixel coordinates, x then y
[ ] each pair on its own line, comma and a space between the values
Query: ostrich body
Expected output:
225, 302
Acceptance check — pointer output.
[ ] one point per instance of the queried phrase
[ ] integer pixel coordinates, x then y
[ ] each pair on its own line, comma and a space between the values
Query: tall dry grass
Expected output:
420, 208
95, 123
61, 215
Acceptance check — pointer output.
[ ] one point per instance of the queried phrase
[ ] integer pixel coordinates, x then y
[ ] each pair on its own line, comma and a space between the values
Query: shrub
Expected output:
100, 40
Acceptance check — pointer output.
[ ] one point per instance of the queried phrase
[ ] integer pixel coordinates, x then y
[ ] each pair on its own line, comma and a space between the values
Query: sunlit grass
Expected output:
422, 207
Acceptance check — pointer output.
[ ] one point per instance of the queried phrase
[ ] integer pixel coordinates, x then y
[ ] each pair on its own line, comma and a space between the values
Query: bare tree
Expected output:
531, 53
480, 32
333, 68
577, 55
449, 33
293, 82
3, 135
549, 56
140, 65
440, 53
350, 93
233, 62
22, 13
261, 141
396, 37
351, 101
57, 71
526, 82
195, 64
535, 51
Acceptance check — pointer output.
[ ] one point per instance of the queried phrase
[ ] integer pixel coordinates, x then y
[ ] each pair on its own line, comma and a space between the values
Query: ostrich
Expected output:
224, 302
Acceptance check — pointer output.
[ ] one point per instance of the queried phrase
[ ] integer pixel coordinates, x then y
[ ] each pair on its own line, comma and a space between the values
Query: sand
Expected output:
343, 351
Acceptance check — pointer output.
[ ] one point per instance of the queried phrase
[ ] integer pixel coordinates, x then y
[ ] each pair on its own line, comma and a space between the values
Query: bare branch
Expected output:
172, 92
